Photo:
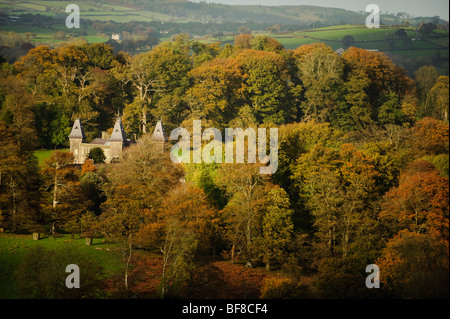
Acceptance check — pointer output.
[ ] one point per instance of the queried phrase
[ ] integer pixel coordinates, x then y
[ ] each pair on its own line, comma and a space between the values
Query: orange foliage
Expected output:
241, 282
302, 51
87, 167
431, 136
380, 69
415, 264
189, 206
420, 203
243, 41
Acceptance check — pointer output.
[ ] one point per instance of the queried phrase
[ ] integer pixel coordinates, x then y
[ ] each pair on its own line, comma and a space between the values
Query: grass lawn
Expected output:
292, 43
14, 247
95, 39
42, 155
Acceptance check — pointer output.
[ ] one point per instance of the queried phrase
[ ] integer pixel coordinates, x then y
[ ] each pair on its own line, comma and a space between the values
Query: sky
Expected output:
416, 8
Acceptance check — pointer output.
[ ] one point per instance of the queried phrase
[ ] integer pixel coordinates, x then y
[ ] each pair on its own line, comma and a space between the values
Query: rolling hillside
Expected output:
184, 11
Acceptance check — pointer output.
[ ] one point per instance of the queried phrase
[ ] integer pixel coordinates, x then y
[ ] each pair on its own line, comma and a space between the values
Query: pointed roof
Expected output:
118, 134
158, 133
77, 130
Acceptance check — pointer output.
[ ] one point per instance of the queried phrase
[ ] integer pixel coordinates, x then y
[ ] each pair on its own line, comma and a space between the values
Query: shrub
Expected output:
97, 155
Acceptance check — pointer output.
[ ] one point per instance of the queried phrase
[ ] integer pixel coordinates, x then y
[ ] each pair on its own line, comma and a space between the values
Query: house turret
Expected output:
117, 140
76, 138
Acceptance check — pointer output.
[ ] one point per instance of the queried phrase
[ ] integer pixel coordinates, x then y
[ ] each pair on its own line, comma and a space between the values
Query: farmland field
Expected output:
91, 11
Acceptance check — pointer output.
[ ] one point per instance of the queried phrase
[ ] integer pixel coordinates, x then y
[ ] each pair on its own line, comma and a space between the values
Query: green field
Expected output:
430, 47
42, 155
364, 38
435, 45
14, 247
88, 10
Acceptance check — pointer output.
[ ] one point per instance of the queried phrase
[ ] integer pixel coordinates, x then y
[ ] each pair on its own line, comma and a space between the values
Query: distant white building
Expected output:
116, 36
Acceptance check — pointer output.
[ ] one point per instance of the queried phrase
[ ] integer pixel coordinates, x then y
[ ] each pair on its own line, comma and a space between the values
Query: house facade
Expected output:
112, 146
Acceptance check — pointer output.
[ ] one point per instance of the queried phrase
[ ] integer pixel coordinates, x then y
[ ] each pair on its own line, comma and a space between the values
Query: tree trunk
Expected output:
233, 250
55, 189
14, 209
127, 256
144, 120
249, 236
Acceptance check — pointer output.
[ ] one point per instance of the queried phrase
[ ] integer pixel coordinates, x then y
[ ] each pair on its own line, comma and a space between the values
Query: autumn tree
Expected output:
295, 140
217, 90
419, 203
246, 189
204, 53
243, 41
384, 76
430, 137
19, 185
439, 94
277, 228
64, 199
92, 183
425, 78
16, 111
161, 70
63, 83
340, 186
321, 73
186, 230
266, 87
415, 265
135, 188
265, 43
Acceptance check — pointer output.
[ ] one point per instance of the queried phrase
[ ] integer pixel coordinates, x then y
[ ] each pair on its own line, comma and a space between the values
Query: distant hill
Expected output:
182, 11
297, 15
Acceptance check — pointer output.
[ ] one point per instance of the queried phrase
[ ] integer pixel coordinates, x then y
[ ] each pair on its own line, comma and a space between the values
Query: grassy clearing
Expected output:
294, 42
358, 33
14, 247
95, 39
42, 155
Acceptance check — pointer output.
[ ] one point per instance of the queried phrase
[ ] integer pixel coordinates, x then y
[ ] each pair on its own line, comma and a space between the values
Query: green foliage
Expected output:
321, 72
96, 154
60, 130
390, 112
277, 227
19, 184
441, 162
203, 176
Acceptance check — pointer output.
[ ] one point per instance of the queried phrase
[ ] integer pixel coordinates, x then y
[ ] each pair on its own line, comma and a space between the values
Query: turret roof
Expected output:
77, 130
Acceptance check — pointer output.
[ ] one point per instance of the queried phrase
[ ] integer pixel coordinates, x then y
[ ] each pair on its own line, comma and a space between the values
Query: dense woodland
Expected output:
362, 179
